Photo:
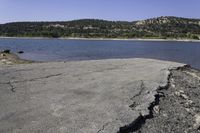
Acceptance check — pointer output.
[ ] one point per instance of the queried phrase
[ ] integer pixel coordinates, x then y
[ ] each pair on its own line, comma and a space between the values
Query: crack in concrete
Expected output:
142, 87
140, 121
12, 88
14, 71
34, 79
103, 127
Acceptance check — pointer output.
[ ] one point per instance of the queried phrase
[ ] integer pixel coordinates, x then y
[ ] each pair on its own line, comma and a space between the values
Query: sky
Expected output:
123, 10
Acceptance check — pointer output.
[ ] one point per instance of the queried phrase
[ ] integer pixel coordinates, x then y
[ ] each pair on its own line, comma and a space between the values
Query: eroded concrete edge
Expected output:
137, 124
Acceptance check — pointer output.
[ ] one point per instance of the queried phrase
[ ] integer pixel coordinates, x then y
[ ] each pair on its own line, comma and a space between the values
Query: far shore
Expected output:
114, 39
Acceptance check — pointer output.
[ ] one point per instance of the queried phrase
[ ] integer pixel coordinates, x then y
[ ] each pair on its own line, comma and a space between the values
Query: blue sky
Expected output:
61, 10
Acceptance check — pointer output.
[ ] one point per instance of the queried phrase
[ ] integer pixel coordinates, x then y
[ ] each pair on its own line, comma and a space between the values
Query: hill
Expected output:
161, 27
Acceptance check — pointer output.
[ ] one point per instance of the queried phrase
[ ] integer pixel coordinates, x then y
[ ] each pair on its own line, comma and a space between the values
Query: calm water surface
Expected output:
64, 50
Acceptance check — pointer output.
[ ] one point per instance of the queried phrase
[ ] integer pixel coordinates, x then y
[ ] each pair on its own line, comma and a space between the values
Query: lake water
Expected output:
64, 50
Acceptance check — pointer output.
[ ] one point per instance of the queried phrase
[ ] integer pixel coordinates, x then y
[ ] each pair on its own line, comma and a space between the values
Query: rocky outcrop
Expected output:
6, 57
105, 96
178, 108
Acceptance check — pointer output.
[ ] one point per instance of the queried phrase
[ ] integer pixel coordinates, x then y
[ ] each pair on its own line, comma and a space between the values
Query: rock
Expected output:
177, 93
188, 110
165, 115
181, 94
7, 51
172, 81
3, 55
4, 61
20, 52
173, 86
197, 121
189, 102
156, 109
184, 96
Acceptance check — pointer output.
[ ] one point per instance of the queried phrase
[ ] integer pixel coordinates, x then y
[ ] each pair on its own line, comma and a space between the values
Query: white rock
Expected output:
197, 121
184, 96
156, 109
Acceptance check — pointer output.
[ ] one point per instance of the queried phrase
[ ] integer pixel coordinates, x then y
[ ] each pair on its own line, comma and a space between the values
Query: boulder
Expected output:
20, 52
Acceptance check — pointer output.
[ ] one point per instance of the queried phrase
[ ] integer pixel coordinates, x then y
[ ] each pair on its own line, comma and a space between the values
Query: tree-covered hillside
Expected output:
162, 27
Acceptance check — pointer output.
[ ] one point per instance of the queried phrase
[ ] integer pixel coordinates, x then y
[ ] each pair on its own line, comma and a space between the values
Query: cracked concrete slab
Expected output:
78, 97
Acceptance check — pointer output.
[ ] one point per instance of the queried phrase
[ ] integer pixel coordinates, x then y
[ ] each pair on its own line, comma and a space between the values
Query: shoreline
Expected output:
106, 39
12, 59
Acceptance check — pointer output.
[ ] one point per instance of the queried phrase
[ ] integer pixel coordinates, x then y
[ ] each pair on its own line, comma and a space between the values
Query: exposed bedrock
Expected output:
105, 96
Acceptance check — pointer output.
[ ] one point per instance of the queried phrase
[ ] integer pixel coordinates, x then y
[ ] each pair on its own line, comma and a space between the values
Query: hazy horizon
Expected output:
66, 10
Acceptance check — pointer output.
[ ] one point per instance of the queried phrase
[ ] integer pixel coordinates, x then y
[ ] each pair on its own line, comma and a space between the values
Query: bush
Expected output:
195, 37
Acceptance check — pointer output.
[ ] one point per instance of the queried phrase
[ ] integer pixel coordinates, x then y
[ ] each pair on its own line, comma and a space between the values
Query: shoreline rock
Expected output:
179, 106
6, 57
20, 52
